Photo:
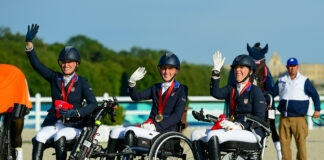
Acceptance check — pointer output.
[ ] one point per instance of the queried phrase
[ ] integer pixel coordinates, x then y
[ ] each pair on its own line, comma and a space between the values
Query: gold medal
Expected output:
159, 118
232, 118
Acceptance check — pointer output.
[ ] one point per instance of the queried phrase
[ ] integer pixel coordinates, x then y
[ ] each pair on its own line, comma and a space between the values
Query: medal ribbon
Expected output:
234, 101
161, 106
64, 94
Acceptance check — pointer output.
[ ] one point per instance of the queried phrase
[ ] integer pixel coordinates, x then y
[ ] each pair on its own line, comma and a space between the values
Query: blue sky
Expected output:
193, 30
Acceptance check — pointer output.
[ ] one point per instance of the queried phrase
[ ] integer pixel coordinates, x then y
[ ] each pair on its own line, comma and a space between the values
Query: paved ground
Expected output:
315, 145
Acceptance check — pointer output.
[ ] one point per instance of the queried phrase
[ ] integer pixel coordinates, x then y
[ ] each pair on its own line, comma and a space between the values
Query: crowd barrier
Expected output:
37, 115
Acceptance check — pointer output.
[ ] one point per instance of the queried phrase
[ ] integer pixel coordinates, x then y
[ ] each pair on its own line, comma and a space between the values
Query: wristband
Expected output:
215, 73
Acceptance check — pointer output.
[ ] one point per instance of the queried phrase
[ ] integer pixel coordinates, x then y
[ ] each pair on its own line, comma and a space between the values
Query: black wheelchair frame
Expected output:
19, 111
162, 146
233, 149
167, 145
87, 146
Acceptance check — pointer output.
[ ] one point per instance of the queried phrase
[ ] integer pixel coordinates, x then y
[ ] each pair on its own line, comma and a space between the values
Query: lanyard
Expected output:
64, 94
234, 101
161, 106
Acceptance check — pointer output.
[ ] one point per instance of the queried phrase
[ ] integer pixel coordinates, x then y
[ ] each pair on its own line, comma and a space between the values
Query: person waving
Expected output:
64, 120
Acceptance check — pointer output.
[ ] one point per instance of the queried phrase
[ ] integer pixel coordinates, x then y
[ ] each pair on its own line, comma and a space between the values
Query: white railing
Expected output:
38, 100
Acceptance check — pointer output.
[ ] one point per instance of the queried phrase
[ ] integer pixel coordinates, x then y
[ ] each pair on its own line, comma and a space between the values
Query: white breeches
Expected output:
57, 131
224, 136
119, 133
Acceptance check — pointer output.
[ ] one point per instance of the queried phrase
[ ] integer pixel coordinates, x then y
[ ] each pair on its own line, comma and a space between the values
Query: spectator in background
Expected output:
294, 91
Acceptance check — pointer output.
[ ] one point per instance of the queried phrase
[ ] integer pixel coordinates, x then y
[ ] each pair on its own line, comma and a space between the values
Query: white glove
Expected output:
228, 125
148, 126
218, 61
137, 75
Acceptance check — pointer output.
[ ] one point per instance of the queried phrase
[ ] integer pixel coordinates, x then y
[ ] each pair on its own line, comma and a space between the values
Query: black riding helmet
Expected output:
244, 60
169, 59
70, 53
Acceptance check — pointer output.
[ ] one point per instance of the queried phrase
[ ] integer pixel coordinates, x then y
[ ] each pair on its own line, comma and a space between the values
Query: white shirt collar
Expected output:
67, 79
165, 86
240, 86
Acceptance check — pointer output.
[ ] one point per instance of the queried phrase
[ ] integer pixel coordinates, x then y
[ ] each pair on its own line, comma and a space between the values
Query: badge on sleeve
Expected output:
246, 101
72, 89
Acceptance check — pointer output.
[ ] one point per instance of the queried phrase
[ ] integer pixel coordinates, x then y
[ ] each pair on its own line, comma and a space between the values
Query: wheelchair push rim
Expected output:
183, 149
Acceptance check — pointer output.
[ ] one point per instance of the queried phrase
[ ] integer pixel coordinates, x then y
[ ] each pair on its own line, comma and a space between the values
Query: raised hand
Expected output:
137, 75
31, 32
218, 61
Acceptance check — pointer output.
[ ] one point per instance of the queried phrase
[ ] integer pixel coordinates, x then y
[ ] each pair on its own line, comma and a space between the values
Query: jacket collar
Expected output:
287, 76
176, 84
59, 80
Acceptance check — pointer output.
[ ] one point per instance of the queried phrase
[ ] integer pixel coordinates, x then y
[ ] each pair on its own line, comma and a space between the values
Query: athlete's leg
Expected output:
115, 141
198, 138
40, 139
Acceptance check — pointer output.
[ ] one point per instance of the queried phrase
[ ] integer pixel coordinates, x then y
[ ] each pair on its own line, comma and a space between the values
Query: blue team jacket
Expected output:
82, 90
250, 102
174, 106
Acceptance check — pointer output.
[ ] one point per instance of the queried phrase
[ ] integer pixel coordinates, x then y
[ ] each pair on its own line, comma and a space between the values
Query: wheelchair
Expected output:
234, 150
172, 145
167, 145
6, 150
86, 146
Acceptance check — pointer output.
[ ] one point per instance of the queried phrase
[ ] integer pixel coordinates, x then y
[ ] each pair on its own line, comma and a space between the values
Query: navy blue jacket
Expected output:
250, 102
82, 91
174, 106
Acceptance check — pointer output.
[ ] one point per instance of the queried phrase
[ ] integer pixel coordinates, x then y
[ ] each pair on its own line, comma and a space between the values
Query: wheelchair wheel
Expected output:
172, 145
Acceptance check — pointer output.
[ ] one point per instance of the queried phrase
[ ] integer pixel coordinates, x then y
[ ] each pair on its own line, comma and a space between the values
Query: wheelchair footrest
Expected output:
233, 145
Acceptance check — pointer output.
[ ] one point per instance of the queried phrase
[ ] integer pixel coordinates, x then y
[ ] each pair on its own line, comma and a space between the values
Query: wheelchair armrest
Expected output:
211, 118
257, 122
198, 115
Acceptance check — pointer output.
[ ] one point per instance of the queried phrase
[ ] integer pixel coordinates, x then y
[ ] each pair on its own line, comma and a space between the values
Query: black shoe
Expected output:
111, 148
38, 149
60, 150
130, 140
213, 148
199, 147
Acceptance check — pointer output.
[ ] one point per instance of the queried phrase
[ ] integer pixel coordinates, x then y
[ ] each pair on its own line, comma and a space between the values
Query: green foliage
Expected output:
106, 70
119, 118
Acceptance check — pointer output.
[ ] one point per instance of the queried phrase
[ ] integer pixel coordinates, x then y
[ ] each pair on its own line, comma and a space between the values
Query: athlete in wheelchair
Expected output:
168, 104
239, 135
65, 118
